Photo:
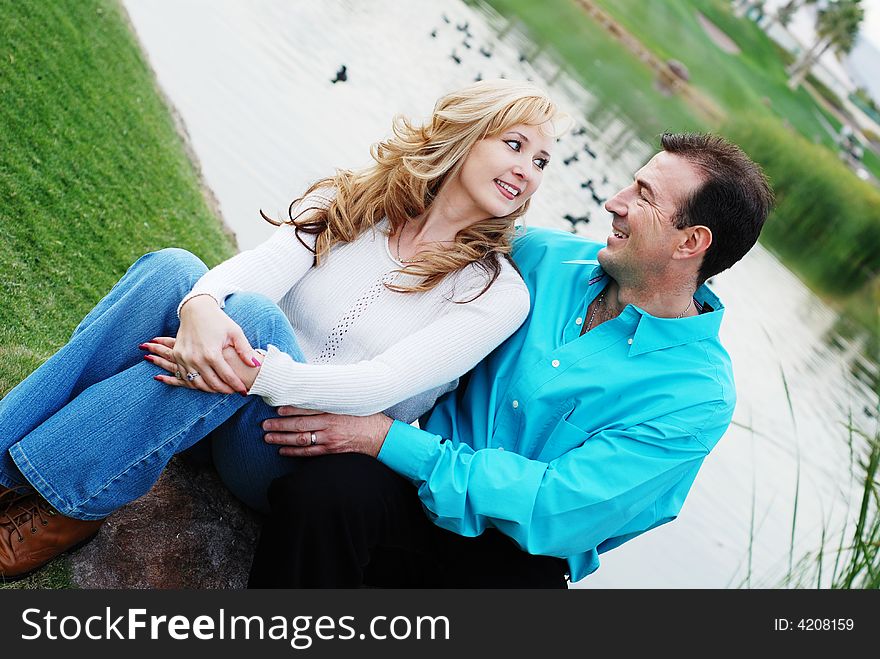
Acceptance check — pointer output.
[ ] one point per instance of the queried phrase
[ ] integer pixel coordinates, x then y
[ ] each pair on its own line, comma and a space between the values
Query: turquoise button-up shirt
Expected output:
570, 444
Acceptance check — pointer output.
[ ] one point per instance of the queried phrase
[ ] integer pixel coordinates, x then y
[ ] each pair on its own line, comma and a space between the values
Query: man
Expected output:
584, 429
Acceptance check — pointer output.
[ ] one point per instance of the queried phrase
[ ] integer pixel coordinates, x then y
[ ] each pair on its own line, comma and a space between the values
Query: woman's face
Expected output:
503, 171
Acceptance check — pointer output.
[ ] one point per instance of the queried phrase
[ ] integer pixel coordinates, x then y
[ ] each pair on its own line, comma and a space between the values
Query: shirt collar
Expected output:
653, 333
596, 272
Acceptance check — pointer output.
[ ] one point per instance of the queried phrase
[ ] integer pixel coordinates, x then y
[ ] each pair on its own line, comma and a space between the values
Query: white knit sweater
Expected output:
367, 348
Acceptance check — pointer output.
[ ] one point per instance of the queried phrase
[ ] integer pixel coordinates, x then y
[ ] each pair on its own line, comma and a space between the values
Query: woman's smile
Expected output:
509, 191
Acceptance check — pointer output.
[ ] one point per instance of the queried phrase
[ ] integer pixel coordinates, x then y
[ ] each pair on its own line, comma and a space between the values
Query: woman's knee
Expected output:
255, 307
262, 321
171, 264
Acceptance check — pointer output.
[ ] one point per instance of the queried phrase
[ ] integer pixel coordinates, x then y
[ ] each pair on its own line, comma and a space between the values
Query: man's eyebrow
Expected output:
526, 139
642, 183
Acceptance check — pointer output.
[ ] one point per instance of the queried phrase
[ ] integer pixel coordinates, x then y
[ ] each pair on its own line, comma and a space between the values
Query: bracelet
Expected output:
183, 304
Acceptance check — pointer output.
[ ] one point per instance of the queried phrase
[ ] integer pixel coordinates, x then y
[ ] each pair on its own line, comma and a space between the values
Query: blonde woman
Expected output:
383, 288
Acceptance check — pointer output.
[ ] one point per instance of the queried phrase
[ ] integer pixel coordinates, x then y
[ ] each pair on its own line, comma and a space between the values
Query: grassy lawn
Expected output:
93, 175
752, 81
871, 161
621, 82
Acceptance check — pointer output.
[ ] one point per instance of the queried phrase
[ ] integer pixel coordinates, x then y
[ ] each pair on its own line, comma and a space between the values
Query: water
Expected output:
863, 64
252, 83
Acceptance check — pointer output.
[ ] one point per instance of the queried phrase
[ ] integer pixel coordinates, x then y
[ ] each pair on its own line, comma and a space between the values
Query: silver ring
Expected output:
178, 375
192, 376
314, 439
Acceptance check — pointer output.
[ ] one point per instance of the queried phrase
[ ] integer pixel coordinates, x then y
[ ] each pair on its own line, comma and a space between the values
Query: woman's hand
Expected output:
205, 331
161, 351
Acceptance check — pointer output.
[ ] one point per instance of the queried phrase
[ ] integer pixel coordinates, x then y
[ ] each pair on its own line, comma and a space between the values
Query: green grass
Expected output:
93, 175
871, 161
54, 576
621, 82
753, 81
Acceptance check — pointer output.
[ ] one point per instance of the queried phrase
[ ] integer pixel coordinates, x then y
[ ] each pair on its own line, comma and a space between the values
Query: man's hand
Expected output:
303, 433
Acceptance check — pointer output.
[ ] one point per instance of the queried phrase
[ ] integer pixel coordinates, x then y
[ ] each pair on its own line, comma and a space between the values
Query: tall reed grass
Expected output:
854, 556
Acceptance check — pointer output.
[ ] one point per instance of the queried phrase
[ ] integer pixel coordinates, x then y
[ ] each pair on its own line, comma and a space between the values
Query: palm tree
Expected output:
743, 7
837, 25
786, 12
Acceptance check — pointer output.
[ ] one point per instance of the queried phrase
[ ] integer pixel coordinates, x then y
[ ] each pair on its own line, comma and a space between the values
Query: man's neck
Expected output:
657, 301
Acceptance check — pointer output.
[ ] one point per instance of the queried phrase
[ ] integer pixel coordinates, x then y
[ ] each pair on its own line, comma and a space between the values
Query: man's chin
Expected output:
607, 260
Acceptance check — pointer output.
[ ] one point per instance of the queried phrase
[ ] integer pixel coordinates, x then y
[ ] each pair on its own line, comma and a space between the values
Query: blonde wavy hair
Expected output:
412, 166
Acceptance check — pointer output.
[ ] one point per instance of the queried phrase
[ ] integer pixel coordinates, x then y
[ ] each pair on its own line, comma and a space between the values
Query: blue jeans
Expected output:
91, 430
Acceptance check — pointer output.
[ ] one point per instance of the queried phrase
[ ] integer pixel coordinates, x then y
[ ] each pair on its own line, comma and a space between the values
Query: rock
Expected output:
678, 69
188, 532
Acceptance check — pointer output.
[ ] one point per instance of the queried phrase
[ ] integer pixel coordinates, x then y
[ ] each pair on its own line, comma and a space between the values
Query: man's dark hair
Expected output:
733, 201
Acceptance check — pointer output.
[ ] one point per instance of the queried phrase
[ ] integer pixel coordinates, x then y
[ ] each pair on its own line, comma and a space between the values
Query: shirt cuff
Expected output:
408, 450
272, 378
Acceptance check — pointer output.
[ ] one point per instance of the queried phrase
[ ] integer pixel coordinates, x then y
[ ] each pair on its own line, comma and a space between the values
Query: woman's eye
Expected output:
541, 163
516, 145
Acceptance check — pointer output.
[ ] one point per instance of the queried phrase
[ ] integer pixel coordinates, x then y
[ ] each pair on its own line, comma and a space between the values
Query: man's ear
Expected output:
696, 242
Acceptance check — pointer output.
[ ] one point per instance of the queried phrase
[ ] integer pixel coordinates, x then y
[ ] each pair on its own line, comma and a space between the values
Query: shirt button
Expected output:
555, 363
578, 321
629, 341
515, 404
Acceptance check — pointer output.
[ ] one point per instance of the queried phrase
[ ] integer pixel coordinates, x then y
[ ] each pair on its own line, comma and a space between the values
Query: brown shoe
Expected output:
32, 533
10, 496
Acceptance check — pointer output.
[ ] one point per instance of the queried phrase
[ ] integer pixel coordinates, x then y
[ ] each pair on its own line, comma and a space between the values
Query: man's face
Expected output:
643, 237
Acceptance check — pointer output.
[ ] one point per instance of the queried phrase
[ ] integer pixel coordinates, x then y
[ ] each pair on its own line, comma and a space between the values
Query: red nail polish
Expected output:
143, 346
255, 362
148, 357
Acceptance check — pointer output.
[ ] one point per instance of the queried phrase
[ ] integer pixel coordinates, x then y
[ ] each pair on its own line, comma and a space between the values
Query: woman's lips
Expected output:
508, 190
